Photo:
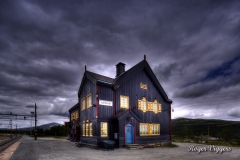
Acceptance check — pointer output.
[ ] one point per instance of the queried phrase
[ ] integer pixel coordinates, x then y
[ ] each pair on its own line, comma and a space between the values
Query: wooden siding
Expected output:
87, 88
132, 89
105, 93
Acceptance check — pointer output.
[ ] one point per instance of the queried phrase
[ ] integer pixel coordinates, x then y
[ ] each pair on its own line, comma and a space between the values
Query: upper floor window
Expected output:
104, 129
89, 101
157, 107
83, 104
124, 101
144, 105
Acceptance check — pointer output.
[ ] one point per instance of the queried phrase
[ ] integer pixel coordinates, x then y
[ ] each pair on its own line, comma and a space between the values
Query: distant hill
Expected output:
198, 126
44, 126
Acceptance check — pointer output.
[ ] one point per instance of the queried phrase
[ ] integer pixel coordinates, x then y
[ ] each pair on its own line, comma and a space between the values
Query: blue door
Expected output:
129, 134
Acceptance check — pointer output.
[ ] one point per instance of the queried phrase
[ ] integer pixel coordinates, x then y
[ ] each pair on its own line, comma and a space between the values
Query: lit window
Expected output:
87, 128
155, 107
142, 104
104, 129
89, 101
77, 116
90, 129
83, 130
124, 102
155, 129
143, 129
159, 108
83, 104
149, 129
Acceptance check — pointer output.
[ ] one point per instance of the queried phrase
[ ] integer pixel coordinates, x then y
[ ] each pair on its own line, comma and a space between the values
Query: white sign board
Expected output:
105, 103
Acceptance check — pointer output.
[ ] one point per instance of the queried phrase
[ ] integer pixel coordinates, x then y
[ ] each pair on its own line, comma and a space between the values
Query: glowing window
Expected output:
104, 129
83, 104
124, 101
89, 101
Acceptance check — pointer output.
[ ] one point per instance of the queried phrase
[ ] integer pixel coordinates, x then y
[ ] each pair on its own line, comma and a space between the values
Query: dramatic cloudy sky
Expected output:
193, 48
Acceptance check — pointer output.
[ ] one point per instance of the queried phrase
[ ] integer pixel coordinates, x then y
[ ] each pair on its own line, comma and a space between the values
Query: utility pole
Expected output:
16, 131
10, 126
35, 122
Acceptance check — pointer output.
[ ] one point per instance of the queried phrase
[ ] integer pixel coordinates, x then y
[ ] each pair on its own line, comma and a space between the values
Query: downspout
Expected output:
97, 101
114, 110
170, 122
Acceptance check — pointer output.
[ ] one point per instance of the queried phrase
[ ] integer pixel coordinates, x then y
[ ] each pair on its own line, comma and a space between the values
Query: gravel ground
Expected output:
56, 149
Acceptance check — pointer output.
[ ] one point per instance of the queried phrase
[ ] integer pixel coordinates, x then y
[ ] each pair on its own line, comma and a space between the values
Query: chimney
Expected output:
120, 68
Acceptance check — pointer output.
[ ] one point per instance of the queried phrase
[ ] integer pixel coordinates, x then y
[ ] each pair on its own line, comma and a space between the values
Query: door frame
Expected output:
134, 132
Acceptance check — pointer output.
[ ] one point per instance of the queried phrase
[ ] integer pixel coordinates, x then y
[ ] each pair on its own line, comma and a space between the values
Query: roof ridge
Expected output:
75, 105
100, 74
121, 75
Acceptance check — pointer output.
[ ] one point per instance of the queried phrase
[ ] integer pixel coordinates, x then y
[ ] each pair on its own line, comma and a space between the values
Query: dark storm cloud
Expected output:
164, 71
196, 90
192, 47
30, 106
235, 112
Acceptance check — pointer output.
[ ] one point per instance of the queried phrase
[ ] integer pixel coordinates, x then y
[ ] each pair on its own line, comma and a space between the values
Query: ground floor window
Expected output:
147, 129
87, 128
104, 129
143, 129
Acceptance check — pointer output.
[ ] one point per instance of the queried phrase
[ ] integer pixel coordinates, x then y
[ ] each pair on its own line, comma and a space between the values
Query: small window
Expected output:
142, 104
89, 101
155, 107
104, 129
159, 108
124, 101
83, 104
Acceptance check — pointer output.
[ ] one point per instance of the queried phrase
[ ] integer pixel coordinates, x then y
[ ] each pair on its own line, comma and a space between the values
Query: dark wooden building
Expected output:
74, 123
131, 108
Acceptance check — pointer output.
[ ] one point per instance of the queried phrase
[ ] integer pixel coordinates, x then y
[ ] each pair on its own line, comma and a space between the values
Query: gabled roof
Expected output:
143, 65
74, 107
127, 112
101, 78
